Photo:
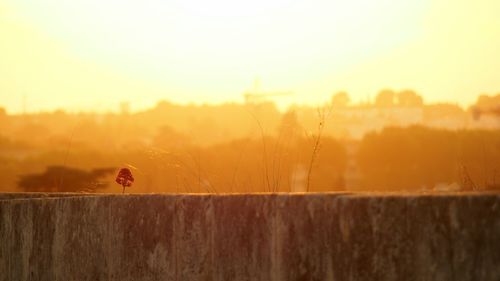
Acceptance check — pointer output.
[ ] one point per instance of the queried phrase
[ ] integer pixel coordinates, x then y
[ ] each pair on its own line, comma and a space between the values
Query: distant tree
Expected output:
385, 98
417, 158
409, 98
486, 102
289, 124
329, 164
486, 105
64, 179
340, 99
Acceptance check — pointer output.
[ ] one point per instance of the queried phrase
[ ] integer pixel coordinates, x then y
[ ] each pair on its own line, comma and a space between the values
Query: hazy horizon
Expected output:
119, 107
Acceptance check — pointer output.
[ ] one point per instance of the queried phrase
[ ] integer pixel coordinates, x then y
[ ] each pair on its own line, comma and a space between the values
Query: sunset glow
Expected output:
92, 55
249, 140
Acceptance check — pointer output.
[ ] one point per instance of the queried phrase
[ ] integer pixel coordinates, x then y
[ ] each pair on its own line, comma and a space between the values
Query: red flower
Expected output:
124, 178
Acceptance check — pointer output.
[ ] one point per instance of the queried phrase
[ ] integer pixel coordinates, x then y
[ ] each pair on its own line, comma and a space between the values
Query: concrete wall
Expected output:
250, 237
28, 195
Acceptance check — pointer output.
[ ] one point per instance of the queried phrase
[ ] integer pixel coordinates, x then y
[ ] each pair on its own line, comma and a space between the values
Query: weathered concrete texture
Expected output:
88, 238
251, 237
29, 195
242, 237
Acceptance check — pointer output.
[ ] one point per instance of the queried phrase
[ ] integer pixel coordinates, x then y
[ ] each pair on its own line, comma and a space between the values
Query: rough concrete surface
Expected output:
322, 236
27, 195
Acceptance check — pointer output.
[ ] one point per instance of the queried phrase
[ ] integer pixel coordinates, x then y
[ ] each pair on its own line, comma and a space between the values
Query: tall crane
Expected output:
256, 95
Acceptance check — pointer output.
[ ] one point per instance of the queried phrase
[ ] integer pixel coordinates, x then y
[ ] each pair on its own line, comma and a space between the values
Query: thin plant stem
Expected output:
317, 140
266, 169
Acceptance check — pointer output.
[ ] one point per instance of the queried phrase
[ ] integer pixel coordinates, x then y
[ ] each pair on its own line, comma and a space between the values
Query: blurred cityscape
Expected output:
396, 142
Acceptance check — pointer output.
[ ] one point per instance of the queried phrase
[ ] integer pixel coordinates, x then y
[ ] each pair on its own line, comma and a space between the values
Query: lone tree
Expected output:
409, 98
340, 100
124, 178
385, 98
64, 179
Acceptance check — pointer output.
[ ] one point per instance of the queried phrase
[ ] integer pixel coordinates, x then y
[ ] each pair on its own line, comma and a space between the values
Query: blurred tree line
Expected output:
240, 148
419, 158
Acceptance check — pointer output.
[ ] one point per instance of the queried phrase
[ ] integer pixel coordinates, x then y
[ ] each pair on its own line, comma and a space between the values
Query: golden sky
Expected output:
94, 54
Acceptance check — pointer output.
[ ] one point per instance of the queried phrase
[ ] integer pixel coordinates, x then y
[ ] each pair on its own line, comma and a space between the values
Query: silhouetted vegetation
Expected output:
419, 158
64, 179
124, 178
255, 148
